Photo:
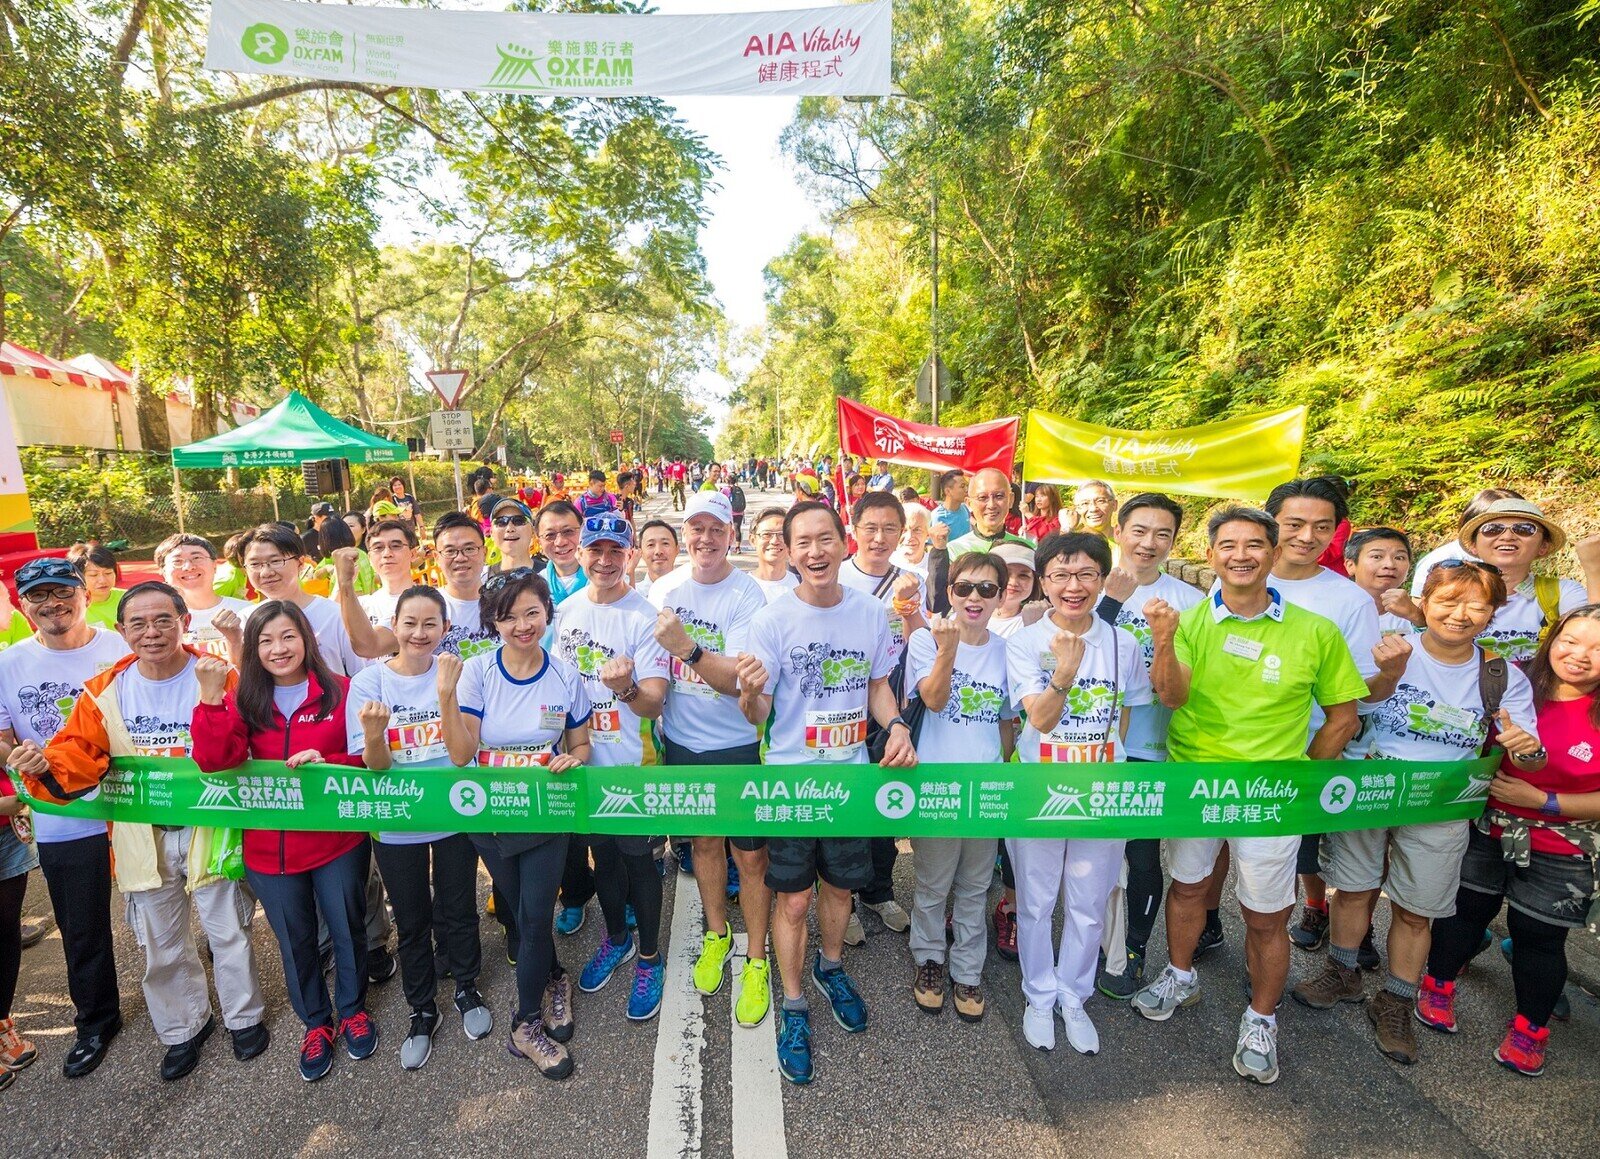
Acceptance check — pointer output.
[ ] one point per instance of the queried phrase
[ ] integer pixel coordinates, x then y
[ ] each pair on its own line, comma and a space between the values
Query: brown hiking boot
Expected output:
16, 1052
1390, 1015
555, 1011
529, 1041
1334, 985
969, 1002
927, 986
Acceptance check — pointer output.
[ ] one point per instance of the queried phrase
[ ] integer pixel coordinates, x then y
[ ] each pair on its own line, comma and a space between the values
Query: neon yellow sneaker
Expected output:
708, 968
755, 993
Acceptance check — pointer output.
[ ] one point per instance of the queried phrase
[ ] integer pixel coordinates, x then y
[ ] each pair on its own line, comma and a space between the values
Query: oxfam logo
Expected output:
896, 799
468, 798
264, 43
1338, 794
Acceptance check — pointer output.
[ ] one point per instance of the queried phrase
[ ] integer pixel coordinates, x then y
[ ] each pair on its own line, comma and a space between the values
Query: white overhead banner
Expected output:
841, 50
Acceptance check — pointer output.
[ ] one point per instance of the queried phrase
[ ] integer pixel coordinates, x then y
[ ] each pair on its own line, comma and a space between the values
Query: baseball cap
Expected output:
1516, 511
47, 569
608, 527
808, 482
1015, 553
713, 503
322, 509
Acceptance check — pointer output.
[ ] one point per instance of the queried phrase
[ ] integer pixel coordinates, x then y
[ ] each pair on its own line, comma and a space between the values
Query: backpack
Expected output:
736, 498
1492, 679
1547, 592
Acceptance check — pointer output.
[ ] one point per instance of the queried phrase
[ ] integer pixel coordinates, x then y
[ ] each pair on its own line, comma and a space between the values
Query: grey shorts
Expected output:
1424, 864
795, 863
1554, 889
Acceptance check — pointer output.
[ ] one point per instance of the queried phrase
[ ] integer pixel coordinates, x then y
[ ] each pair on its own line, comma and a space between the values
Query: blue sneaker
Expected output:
360, 1035
649, 980
733, 880
606, 959
849, 1010
631, 918
569, 920
794, 1045
684, 852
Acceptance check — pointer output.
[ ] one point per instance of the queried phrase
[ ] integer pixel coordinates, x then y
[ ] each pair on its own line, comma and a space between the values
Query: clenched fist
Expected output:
1392, 653
374, 718
752, 675
946, 632
1068, 649
670, 634
1120, 584
617, 674
449, 674
212, 673
939, 536
28, 759
345, 560
1163, 620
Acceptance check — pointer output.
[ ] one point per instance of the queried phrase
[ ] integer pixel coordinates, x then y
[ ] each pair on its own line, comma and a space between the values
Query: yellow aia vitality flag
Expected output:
1238, 459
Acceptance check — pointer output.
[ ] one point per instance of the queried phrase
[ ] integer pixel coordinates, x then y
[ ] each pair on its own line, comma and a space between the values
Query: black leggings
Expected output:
434, 890
12, 890
529, 880
1145, 886
1539, 951
622, 879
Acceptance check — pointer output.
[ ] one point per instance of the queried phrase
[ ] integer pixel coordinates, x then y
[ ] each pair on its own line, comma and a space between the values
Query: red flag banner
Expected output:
875, 435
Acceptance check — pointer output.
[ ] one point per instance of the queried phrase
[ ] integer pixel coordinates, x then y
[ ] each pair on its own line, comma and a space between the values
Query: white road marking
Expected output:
757, 1087
675, 1089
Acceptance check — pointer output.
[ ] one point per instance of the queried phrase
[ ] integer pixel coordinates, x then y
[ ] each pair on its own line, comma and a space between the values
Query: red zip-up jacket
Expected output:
222, 740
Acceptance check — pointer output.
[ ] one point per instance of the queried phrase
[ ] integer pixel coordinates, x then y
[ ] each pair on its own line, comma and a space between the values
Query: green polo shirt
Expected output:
972, 541
1253, 681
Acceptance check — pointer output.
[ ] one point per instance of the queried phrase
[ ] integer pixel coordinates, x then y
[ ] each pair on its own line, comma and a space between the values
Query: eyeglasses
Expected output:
1085, 578
461, 552
43, 595
162, 624
501, 578
1520, 530
511, 521
768, 536
261, 565
986, 589
1449, 564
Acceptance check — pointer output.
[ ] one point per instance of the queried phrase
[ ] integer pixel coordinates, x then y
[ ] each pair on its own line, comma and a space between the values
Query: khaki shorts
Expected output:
1424, 864
1263, 867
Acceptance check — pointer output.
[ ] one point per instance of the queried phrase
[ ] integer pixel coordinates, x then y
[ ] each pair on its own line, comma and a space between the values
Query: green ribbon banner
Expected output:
1242, 799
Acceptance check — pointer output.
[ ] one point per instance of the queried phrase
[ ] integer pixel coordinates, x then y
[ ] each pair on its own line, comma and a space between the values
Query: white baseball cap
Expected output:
1014, 553
713, 503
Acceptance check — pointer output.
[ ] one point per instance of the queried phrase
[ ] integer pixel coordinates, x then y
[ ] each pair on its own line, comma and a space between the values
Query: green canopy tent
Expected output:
293, 432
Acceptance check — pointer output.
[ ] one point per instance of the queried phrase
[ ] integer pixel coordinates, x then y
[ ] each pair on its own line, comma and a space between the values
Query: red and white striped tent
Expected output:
20, 362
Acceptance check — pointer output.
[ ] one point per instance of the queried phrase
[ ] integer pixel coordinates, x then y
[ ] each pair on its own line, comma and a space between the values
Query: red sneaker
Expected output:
1436, 1004
1522, 1049
1005, 931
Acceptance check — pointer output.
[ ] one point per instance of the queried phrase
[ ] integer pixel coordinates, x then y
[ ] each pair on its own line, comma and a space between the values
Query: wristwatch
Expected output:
900, 720
694, 655
1551, 806
1057, 689
1538, 754
630, 694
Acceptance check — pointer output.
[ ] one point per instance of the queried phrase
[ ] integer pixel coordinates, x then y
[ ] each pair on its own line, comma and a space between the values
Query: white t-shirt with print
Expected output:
820, 663
772, 589
415, 733
38, 688
968, 730
158, 712
466, 636
717, 617
521, 722
379, 607
1514, 631
203, 636
1111, 677
1436, 712
587, 635
1147, 724
1340, 599
855, 579
333, 641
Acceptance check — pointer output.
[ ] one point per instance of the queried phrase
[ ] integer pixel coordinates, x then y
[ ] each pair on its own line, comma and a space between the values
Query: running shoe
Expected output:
316, 1053
606, 959
1436, 1004
890, 913
1256, 1055
1158, 1000
418, 1046
1081, 1034
733, 880
1005, 931
1522, 1049
529, 1041
476, 1018
1125, 985
649, 980
854, 933
849, 1009
1310, 933
360, 1035
629, 918
708, 967
755, 993
1367, 956
1211, 937
381, 965
794, 1045
569, 920
1039, 1027
16, 1052
684, 853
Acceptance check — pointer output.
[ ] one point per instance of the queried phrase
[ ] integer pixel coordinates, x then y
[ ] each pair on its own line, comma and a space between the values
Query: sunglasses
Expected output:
511, 521
1520, 530
986, 589
501, 578
1450, 564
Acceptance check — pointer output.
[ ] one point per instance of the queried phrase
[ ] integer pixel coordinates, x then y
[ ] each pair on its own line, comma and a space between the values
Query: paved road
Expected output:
912, 1085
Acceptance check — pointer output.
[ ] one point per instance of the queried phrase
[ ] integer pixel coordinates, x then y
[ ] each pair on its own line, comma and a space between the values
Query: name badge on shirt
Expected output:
1452, 717
553, 718
1242, 647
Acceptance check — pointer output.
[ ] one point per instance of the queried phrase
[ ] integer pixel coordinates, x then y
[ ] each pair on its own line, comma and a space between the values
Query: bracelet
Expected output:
1057, 689
1551, 806
694, 655
630, 694
900, 720
1538, 754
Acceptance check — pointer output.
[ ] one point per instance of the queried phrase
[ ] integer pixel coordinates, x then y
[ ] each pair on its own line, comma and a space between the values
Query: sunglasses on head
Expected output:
606, 523
1521, 529
986, 589
1450, 564
501, 578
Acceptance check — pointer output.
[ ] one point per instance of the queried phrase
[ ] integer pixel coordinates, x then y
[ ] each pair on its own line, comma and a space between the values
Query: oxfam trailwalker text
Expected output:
1000, 800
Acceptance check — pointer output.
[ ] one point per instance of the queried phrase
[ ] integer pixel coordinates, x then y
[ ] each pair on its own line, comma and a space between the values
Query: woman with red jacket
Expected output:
289, 707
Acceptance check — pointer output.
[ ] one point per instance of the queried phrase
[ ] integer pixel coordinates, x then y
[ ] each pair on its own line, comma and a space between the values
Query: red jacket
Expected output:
222, 740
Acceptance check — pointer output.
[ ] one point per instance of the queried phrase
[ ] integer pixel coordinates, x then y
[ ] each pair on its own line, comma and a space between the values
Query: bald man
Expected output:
989, 501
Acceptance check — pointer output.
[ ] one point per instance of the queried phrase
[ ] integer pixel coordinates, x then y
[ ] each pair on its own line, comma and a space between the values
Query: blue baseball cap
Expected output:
609, 527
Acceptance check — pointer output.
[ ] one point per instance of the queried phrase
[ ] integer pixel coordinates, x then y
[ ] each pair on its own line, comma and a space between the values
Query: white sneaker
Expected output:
892, 915
1039, 1027
854, 935
1256, 1055
1158, 1000
1081, 1034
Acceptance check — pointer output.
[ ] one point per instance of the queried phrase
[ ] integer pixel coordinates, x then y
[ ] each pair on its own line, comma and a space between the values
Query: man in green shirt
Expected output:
1241, 671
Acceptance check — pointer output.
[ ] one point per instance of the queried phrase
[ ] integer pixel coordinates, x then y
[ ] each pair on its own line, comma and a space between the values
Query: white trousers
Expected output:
1081, 873
174, 977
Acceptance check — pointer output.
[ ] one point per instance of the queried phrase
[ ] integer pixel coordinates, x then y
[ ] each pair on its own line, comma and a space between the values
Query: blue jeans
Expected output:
291, 901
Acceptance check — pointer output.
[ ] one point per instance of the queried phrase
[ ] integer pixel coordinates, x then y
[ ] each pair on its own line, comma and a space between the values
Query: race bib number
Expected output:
160, 750
835, 736
419, 741
686, 680
605, 725
210, 641
1076, 753
526, 757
